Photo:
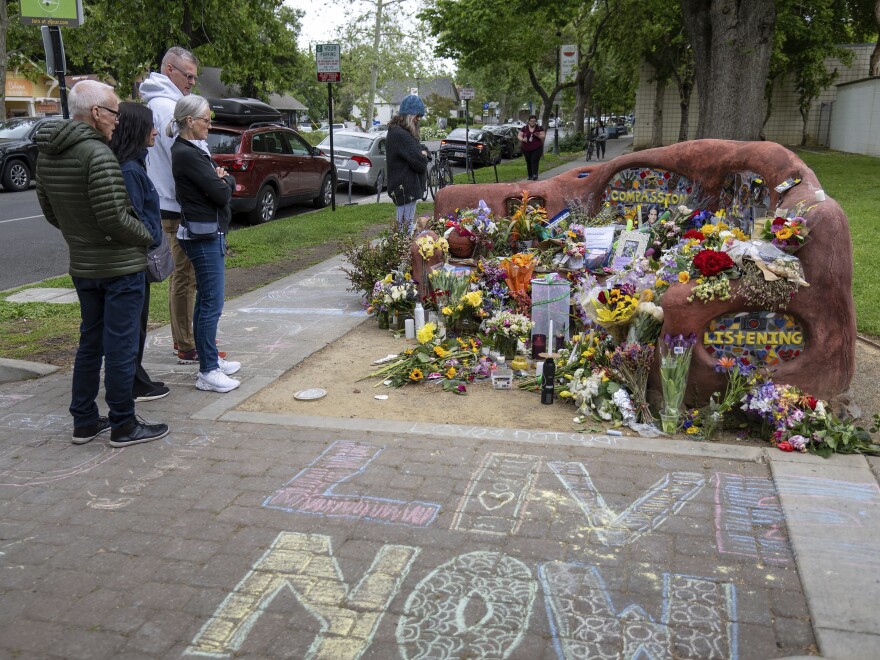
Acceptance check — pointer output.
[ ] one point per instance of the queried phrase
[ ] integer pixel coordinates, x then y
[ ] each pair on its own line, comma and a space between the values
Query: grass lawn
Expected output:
851, 180
848, 178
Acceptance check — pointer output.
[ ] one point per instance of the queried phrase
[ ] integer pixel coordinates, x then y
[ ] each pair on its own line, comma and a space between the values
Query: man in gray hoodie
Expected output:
161, 91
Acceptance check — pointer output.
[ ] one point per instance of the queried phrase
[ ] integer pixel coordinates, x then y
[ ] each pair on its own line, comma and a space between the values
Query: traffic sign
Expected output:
466, 93
486, 105
327, 62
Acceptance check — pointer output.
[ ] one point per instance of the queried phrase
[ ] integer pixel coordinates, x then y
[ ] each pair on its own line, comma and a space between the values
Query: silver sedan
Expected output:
360, 155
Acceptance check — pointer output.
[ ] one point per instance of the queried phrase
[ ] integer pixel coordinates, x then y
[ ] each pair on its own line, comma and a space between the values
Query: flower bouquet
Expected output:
427, 246
527, 219
631, 364
504, 329
675, 363
612, 308
741, 377
593, 392
477, 225
520, 268
460, 307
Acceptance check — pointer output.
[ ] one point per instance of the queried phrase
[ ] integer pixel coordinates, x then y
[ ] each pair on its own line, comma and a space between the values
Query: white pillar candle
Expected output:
550, 338
539, 369
820, 195
410, 328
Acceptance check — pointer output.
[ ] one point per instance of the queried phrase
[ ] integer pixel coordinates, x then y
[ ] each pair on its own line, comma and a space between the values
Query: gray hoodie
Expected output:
161, 95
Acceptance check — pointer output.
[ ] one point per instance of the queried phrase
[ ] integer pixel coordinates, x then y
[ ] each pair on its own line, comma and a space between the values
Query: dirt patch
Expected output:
339, 367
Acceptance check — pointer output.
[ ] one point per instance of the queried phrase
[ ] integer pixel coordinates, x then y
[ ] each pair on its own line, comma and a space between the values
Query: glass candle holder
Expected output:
539, 345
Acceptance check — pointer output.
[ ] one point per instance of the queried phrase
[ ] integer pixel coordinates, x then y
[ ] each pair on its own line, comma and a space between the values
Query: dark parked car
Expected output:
511, 147
273, 166
485, 147
18, 151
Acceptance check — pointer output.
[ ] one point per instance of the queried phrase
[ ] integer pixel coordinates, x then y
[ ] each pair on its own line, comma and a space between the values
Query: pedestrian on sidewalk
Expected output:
161, 91
82, 192
131, 139
532, 137
601, 135
407, 161
204, 191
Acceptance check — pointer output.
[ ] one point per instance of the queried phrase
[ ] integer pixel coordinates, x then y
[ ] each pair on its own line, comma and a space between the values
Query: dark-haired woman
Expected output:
133, 135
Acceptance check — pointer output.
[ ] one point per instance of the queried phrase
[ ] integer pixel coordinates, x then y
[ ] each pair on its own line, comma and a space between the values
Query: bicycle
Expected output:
440, 175
591, 148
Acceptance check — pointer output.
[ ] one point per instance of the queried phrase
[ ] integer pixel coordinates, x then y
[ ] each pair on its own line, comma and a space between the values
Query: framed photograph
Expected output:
631, 245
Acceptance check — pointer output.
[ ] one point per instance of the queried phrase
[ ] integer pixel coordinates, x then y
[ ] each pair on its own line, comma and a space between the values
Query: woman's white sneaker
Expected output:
216, 381
228, 368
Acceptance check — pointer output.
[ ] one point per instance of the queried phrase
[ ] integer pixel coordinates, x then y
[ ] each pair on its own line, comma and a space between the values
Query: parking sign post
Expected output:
328, 69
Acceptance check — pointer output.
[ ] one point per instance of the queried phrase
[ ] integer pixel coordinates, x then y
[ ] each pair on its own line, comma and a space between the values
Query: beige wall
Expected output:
785, 123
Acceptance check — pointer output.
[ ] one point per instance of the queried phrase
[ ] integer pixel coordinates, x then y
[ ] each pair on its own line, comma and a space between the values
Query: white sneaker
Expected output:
228, 368
216, 381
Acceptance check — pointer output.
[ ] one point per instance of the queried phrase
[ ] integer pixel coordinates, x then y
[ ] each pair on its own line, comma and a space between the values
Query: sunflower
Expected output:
450, 373
416, 375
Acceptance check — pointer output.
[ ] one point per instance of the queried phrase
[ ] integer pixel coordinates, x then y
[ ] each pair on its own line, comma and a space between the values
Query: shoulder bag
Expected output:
160, 262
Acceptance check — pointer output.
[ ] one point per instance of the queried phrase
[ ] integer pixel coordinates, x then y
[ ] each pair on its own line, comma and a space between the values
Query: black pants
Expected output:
532, 158
600, 148
143, 384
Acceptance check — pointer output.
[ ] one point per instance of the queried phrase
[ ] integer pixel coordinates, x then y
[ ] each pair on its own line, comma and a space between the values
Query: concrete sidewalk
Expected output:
295, 536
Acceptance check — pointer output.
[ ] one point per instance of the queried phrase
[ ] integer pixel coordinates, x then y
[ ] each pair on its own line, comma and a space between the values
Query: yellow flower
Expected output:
474, 346
407, 276
426, 333
708, 229
440, 351
647, 295
565, 394
388, 279
739, 234
474, 298
408, 351
450, 373
720, 213
446, 311
684, 277
693, 430
784, 233
459, 308
415, 375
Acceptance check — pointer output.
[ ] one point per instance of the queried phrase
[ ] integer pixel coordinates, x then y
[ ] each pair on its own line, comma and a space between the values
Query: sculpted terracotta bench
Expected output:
810, 344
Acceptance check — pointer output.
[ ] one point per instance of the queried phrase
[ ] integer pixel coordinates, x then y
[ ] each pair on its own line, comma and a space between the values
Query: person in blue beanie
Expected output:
407, 161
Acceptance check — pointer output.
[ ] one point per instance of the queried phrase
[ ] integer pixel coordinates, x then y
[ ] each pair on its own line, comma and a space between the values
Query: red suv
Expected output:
273, 166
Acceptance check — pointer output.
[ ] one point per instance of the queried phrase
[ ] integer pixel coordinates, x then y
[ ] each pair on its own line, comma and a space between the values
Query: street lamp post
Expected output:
556, 130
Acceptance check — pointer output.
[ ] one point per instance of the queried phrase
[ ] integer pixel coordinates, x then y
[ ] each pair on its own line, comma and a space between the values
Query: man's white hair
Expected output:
85, 95
176, 54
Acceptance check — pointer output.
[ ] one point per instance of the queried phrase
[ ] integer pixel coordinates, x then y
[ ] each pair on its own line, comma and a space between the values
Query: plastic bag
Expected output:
774, 263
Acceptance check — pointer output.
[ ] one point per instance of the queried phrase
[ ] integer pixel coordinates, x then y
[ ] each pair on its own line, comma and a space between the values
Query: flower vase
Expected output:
397, 321
505, 345
464, 325
383, 320
669, 420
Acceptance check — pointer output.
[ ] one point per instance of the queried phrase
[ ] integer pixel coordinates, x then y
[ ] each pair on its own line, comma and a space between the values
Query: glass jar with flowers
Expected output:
396, 296
527, 221
675, 362
504, 329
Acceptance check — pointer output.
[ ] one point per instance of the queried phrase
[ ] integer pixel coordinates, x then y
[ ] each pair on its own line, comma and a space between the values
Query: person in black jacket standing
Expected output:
204, 191
407, 161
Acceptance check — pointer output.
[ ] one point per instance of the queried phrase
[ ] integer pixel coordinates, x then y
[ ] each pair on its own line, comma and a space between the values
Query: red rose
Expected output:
785, 445
811, 402
602, 298
712, 262
693, 233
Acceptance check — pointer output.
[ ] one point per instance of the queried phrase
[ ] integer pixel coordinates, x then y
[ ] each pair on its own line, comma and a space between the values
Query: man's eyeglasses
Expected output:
189, 77
115, 113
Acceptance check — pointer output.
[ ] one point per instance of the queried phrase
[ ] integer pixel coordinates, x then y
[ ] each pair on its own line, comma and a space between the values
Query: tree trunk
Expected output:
684, 102
4, 60
732, 42
874, 68
657, 128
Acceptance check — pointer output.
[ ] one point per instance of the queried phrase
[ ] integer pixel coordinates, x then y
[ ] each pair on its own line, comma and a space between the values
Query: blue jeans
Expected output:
110, 308
406, 217
208, 260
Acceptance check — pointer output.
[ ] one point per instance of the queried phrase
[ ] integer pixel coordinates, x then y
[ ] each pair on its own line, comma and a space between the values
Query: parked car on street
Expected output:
273, 166
361, 154
511, 147
18, 151
378, 128
485, 147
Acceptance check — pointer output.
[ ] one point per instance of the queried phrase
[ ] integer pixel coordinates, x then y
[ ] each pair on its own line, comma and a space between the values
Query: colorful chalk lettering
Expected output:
663, 499
698, 617
305, 565
311, 490
496, 496
476, 605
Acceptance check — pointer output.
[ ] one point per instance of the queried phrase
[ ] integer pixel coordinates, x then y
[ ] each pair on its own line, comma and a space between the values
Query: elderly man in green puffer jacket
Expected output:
82, 193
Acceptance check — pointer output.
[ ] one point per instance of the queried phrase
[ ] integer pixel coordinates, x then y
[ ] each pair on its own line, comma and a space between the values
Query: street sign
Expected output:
568, 61
57, 13
486, 105
327, 62
466, 93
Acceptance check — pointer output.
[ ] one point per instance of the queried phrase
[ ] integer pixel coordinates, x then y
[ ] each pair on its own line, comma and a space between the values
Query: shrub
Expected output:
369, 262
573, 142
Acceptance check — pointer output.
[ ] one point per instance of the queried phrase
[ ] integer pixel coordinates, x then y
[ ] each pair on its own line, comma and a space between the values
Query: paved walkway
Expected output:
270, 536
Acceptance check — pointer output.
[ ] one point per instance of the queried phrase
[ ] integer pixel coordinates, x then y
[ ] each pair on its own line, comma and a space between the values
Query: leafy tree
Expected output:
732, 43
